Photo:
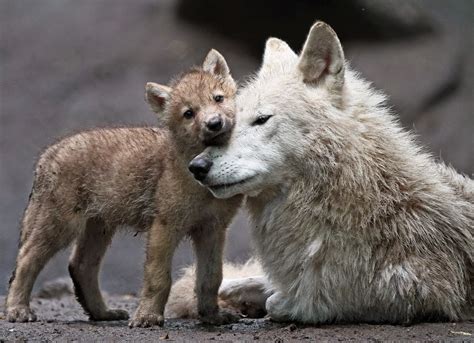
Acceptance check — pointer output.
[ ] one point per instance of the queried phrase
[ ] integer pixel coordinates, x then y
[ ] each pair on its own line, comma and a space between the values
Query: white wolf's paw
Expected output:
220, 318
276, 307
109, 315
146, 320
245, 295
20, 314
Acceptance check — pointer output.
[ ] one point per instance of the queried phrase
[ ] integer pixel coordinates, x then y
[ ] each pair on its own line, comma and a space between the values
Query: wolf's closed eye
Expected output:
261, 119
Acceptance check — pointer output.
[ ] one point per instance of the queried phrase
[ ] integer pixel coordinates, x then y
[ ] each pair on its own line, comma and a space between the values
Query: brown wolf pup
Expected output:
88, 185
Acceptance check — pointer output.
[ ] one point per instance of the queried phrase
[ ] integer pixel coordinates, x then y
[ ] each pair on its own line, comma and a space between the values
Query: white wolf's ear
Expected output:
277, 55
215, 63
157, 96
322, 56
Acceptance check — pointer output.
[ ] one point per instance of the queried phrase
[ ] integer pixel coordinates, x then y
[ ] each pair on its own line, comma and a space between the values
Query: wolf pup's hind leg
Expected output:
84, 266
39, 242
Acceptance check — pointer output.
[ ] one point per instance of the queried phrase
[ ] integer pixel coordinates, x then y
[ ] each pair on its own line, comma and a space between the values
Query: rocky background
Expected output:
70, 65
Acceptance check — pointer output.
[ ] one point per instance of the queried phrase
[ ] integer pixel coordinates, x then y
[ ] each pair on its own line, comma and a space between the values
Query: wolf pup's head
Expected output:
284, 115
198, 106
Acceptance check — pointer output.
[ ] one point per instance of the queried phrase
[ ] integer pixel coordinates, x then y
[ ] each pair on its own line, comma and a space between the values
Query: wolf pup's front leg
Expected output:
162, 241
209, 246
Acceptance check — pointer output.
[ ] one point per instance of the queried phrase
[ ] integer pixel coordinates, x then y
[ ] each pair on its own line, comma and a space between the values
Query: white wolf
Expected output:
352, 220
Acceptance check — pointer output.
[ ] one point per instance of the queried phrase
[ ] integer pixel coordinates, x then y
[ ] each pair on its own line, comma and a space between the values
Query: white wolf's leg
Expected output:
182, 302
84, 266
248, 294
277, 307
238, 291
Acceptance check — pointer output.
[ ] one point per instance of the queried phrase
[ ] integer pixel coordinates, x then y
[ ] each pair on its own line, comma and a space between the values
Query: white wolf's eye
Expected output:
262, 119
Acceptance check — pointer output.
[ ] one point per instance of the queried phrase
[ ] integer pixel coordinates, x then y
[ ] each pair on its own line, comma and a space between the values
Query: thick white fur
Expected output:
353, 221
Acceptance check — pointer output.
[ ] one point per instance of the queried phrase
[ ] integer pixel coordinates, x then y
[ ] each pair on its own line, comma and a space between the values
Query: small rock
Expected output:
460, 333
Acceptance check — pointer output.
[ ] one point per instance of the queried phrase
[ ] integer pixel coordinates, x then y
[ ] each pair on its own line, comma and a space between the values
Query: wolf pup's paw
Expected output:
109, 315
146, 320
20, 314
220, 318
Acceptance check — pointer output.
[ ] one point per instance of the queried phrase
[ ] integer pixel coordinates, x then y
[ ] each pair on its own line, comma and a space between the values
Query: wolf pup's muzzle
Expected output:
217, 130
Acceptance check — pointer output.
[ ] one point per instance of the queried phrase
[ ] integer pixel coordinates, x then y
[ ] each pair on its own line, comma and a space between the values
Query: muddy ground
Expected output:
62, 319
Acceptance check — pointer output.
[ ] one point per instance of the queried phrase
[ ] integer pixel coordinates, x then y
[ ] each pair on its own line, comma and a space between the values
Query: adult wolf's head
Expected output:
199, 105
281, 116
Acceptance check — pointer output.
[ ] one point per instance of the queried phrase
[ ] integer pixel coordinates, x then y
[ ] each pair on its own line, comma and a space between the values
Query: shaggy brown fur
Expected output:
89, 184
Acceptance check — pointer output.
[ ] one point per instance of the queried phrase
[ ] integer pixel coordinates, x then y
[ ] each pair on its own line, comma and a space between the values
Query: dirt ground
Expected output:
62, 319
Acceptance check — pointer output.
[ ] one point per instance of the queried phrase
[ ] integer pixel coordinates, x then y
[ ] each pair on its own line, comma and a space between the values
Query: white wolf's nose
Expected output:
200, 166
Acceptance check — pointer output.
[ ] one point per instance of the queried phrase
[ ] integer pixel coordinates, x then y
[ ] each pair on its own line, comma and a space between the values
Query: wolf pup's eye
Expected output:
218, 98
261, 119
188, 114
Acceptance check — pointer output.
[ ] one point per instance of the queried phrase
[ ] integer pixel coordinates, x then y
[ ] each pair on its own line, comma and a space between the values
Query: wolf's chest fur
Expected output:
283, 233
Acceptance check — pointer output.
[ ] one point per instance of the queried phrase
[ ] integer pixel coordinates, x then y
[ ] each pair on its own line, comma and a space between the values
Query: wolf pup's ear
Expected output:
322, 57
215, 63
277, 55
157, 96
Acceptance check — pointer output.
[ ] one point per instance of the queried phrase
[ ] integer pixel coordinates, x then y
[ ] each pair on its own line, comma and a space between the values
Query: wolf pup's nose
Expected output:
200, 167
215, 123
